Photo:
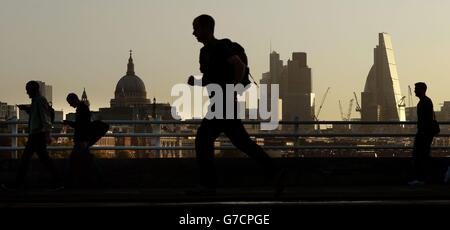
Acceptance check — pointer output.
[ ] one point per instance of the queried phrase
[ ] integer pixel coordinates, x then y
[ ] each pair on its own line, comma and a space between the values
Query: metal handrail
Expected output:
282, 122
230, 147
251, 134
296, 134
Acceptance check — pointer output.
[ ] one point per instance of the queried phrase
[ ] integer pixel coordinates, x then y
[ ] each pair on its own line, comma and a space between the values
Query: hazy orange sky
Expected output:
75, 44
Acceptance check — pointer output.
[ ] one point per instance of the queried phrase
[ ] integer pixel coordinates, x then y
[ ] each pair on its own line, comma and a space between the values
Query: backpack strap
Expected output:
254, 82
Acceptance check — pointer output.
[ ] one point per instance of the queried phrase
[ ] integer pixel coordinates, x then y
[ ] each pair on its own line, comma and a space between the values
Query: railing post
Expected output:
296, 131
158, 138
14, 131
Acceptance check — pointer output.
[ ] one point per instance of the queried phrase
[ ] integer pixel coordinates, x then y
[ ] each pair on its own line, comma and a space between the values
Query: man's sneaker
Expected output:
201, 191
13, 188
447, 176
279, 183
55, 188
416, 183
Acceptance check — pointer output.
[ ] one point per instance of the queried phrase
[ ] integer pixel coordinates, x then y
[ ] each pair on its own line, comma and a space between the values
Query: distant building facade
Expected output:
444, 113
7, 111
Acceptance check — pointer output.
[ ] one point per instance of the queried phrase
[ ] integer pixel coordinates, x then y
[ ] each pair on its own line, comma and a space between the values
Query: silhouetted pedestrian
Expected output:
40, 126
81, 161
221, 65
424, 137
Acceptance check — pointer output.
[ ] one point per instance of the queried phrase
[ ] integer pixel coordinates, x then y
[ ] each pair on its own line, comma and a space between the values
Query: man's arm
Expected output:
429, 113
42, 110
204, 81
238, 68
25, 108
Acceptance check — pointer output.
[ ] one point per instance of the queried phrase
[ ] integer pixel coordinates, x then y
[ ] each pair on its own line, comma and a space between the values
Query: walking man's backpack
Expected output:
243, 56
98, 129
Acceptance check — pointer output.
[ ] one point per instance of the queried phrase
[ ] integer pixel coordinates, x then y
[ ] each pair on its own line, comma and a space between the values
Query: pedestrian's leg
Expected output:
50, 166
207, 133
419, 158
24, 165
91, 170
98, 171
68, 177
72, 173
415, 160
25, 160
41, 150
235, 131
78, 165
427, 162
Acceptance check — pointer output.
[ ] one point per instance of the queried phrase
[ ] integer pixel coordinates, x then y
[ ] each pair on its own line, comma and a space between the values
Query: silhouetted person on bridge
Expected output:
81, 161
39, 126
424, 137
220, 64
82, 166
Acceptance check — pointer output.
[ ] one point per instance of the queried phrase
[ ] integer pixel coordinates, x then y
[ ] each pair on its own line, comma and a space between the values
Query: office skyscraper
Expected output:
381, 99
298, 99
295, 84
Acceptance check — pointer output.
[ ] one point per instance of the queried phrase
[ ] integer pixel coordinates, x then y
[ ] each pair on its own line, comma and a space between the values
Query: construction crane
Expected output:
340, 109
402, 102
410, 101
350, 106
347, 116
321, 104
358, 108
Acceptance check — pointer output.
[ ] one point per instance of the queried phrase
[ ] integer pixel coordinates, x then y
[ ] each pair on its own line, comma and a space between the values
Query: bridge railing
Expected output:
290, 138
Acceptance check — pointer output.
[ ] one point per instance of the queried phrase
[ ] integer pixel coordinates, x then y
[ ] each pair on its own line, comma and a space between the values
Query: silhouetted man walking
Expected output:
424, 136
221, 65
39, 125
80, 159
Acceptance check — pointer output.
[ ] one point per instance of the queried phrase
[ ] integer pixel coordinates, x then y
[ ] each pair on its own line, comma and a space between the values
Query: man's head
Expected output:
32, 88
203, 28
73, 100
420, 88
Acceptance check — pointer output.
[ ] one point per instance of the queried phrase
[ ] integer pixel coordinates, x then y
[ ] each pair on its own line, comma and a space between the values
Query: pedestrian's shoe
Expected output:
416, 183
447, 176
55, 188
279, 182
13, 188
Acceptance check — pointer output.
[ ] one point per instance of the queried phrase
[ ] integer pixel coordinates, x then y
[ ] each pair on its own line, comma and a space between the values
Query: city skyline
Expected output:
76, 45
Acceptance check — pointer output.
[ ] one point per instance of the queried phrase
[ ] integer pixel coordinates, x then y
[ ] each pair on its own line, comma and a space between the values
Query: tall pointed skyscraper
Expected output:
381, 99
